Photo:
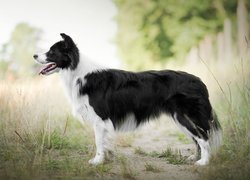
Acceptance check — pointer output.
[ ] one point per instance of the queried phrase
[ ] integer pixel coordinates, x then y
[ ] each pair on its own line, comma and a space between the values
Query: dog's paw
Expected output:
201, 162
96, 161
192, 158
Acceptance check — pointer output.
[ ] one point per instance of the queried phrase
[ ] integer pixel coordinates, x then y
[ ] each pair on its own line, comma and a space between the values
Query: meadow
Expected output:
39, 138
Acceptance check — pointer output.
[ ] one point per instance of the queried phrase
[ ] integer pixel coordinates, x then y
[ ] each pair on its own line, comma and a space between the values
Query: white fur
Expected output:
69, 79
129, 123
83, 110
205, 151
204, 145
215, 140
41, 58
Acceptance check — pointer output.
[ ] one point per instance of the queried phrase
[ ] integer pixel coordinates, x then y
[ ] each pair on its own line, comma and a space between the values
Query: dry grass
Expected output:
152, 168
229, 88
124, 140
233, 107
39, 138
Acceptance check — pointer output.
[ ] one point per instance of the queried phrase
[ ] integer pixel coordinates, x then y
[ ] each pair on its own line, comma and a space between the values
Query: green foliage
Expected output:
3, 68
183, 138
154, 31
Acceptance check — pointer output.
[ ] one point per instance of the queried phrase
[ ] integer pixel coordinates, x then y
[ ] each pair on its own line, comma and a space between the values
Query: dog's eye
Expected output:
50, 53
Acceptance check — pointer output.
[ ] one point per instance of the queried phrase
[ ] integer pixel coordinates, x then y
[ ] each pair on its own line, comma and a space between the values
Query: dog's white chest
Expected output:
82, 109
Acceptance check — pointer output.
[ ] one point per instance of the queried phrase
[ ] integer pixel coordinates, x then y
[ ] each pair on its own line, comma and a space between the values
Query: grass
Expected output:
171, 156
151, 168
125, 140
233, 159
38, 140
126, 171
139, 151
183, 138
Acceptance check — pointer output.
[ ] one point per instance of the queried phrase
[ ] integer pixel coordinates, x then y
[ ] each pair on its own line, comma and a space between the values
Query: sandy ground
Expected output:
156, 136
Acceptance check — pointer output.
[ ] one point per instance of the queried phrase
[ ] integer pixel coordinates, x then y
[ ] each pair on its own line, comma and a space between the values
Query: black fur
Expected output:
64, 53
115, 93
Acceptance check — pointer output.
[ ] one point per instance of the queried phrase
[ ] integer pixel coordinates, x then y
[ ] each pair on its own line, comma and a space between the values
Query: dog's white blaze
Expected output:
41, 58
129, 123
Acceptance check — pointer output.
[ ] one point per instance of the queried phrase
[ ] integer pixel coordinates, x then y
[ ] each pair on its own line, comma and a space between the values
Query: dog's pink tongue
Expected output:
44, 70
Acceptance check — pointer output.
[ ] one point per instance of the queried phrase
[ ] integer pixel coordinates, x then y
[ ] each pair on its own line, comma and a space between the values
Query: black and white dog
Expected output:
120, 100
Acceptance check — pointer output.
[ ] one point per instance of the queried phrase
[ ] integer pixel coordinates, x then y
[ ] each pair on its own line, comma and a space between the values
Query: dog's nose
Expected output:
35, 56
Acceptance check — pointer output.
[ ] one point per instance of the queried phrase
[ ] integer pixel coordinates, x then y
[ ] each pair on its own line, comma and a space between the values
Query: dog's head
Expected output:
62, 55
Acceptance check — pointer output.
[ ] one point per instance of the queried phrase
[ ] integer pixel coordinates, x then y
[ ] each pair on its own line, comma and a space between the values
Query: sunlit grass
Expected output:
38, 135
40, 138
233, 159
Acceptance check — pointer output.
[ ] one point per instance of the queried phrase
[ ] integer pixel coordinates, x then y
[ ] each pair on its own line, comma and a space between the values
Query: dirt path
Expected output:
135, 149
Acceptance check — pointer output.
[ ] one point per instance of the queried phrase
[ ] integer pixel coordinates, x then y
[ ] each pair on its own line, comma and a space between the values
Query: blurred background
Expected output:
208, 38
135, 35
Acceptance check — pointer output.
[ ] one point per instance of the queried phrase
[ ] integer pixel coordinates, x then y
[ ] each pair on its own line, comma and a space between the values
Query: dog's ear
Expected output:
69, 43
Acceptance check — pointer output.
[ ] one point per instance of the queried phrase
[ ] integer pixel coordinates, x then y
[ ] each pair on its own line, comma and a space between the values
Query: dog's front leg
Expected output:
100, 140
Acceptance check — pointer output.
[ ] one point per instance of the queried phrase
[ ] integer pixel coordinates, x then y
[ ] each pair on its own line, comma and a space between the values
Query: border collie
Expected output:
114, 99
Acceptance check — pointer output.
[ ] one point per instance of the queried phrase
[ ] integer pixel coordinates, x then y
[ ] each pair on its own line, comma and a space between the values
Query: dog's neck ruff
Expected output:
69, 76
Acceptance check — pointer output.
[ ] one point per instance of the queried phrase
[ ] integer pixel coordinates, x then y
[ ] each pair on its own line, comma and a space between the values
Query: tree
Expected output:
21, 47
156, 31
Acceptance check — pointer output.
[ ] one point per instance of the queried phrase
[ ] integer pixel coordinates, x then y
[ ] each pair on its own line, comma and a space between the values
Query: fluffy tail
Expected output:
215, 134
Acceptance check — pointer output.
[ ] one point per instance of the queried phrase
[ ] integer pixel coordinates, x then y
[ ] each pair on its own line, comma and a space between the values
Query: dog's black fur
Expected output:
64, 53
116, 93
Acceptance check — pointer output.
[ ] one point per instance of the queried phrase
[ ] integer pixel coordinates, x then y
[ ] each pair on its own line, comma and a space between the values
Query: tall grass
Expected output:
38, 137
233, 106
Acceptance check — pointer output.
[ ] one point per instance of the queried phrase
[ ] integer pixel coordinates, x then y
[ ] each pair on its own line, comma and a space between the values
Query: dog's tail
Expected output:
215, 134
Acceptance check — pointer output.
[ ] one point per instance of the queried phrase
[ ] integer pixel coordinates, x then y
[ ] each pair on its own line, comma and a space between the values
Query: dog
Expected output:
117, 100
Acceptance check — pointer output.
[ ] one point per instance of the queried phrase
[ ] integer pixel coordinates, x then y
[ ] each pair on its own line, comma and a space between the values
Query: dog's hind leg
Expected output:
197, 154
197, 133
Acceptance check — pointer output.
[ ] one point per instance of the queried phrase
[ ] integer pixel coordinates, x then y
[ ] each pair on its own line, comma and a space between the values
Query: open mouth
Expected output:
48, 68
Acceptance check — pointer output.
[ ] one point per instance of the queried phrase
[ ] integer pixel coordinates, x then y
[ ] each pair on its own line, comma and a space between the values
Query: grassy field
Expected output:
233, 106
39, 139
